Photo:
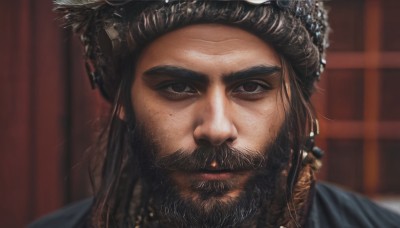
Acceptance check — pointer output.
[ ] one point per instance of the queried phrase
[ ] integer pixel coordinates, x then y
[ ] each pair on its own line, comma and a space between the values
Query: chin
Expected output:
208, 199
212, 203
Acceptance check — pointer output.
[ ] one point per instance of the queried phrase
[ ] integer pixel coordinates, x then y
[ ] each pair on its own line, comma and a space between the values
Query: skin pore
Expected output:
210, 85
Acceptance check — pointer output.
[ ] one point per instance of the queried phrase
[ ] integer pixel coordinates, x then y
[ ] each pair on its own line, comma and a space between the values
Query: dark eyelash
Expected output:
261, 83
164, 84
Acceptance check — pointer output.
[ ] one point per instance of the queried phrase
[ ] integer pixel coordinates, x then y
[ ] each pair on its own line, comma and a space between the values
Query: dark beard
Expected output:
210, 211
200, 160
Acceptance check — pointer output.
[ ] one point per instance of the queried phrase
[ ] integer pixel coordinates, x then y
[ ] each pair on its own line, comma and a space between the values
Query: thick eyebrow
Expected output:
186, 74
260, 70
175, 72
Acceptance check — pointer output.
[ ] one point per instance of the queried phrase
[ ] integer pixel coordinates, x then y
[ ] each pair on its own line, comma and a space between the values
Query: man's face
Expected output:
209, 86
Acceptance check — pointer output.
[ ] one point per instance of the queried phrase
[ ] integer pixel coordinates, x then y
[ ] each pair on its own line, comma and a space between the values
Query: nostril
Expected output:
214, 141
203, 142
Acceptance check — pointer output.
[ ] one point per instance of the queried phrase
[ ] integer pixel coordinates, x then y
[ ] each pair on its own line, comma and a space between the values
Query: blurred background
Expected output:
48, 110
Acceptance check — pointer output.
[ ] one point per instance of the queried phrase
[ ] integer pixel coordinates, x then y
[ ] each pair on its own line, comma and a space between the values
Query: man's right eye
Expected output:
179, 88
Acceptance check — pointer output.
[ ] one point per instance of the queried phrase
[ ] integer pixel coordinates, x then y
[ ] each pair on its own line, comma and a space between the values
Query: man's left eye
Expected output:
251, 87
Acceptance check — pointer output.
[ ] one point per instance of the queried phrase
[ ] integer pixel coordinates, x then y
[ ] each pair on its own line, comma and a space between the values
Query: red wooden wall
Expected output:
359, 102
48, 109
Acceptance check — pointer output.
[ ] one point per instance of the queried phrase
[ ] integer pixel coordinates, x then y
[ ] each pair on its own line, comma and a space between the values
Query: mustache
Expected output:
212, 158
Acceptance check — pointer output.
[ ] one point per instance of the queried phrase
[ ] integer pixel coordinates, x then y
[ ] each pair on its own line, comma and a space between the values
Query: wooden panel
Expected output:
346, 163
373, 15
345, 95
390, 169
32, 114
48, 114
347, 25
358, 60
48, 110
356, 129
390, 95
16, 168
390, 25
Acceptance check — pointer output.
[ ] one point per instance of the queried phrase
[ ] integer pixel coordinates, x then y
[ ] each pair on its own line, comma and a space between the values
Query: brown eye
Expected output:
179, 87
250, 86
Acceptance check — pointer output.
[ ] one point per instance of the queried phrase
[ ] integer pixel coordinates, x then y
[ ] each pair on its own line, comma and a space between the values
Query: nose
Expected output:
214, 124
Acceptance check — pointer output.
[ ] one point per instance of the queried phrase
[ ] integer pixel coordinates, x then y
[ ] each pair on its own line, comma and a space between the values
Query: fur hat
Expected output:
115, 31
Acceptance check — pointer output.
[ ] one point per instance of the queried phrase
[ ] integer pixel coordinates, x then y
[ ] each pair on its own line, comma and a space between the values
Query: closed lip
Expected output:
218, 174
209, 176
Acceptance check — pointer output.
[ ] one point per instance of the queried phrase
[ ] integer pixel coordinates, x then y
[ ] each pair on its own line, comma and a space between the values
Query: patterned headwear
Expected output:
113, 30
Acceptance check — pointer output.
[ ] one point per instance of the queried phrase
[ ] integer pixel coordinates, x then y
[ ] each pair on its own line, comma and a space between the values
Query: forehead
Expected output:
210, 49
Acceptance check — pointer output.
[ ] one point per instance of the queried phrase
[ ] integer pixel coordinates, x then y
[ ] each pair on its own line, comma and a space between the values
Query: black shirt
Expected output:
334, 207
331, 207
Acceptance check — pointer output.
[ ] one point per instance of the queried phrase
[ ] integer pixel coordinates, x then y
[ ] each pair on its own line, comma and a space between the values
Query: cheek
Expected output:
259, 124
169, 129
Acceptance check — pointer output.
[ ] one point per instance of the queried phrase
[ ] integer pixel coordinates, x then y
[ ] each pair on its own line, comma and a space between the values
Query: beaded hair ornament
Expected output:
101, 26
